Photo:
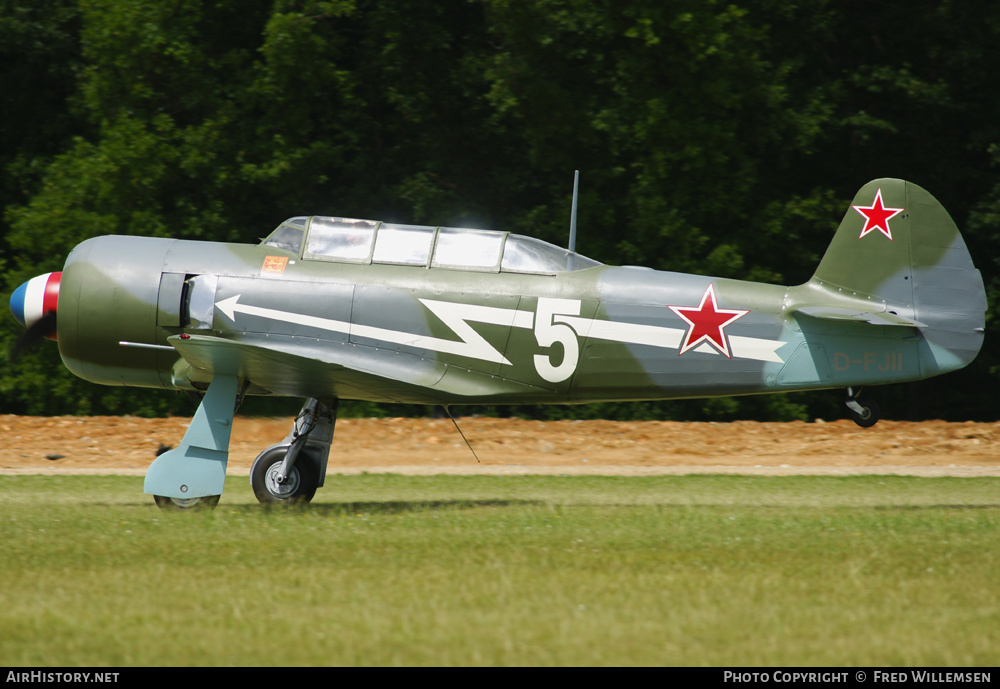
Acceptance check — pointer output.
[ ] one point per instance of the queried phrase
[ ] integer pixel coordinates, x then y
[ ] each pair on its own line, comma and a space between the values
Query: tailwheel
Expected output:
299, 486
186, 504
865, 413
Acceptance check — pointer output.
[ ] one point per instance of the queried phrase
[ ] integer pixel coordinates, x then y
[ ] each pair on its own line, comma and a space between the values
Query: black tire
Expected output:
302, 482
186, 504
869, 416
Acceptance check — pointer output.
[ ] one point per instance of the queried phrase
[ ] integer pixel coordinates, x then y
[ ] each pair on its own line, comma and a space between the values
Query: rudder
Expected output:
898, 252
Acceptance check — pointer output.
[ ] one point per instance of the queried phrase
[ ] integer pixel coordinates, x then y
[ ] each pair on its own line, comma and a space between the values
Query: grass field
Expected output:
397, 570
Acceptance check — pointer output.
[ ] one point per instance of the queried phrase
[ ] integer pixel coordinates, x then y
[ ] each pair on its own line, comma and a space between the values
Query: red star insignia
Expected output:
707, 323
877, 216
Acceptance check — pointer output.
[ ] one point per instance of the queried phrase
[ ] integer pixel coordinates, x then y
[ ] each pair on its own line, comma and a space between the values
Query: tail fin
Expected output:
898, 259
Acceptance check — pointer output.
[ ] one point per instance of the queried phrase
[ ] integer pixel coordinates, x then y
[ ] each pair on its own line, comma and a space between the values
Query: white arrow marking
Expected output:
457, 316
755, 348
628, 333
668, 338
231, 307
472, 345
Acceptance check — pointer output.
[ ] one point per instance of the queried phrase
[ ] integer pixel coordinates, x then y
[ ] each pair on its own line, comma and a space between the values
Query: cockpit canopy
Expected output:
322, 238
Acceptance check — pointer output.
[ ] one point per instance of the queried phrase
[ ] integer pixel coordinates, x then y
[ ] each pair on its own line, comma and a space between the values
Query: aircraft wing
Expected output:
290, 366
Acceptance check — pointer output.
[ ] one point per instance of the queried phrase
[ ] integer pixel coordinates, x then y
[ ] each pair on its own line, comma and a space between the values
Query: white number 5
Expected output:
547, 332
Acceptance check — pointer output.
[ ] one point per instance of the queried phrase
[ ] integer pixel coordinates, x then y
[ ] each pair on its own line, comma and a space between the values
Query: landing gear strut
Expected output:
864, 413
192, 476
291, 471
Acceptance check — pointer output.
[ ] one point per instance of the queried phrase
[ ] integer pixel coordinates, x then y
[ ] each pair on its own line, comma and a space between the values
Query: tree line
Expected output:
720, 138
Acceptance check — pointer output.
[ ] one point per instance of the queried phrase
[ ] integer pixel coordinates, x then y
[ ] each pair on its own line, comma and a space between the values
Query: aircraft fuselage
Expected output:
601, 333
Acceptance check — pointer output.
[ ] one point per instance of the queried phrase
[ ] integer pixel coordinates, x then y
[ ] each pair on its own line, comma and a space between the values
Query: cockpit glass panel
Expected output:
288, 235
363, 241
529, 255
476, 249
403, 244
344, 239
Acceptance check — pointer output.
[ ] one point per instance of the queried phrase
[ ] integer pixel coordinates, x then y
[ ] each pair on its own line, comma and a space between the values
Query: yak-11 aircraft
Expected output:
331, 308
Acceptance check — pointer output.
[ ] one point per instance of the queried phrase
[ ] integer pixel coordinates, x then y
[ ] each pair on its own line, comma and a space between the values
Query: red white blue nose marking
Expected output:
35, 298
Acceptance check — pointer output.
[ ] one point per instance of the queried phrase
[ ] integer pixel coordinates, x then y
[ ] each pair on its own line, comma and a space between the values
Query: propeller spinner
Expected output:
34, 305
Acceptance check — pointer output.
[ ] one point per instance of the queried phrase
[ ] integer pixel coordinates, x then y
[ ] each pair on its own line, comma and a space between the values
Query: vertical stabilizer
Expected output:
897, 252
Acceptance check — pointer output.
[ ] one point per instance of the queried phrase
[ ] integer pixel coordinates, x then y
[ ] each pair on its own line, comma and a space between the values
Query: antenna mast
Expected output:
572, 215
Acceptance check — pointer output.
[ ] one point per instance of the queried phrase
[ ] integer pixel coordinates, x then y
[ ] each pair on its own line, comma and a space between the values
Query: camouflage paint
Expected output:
895, 298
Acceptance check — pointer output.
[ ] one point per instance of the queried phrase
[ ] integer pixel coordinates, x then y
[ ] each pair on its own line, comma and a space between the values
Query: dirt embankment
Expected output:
128, 444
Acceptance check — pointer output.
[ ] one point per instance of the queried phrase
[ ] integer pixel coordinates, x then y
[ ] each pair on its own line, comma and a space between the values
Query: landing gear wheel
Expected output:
869, 415
186, 504
299, 488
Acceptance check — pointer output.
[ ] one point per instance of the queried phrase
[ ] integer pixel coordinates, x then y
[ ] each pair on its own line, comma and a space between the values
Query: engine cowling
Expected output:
107, 296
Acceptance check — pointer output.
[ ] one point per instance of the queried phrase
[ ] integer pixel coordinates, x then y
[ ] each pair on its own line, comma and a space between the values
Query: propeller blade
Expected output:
35, 333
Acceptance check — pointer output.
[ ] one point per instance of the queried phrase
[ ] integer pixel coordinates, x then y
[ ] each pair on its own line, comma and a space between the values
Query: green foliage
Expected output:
721, 138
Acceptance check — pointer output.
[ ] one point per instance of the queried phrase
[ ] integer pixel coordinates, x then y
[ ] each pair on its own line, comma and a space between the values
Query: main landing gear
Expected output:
187, 504
192, 476
291, 471
865, 413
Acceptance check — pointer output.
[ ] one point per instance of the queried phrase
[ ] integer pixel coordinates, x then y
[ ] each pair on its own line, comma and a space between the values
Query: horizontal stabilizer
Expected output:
835, 313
